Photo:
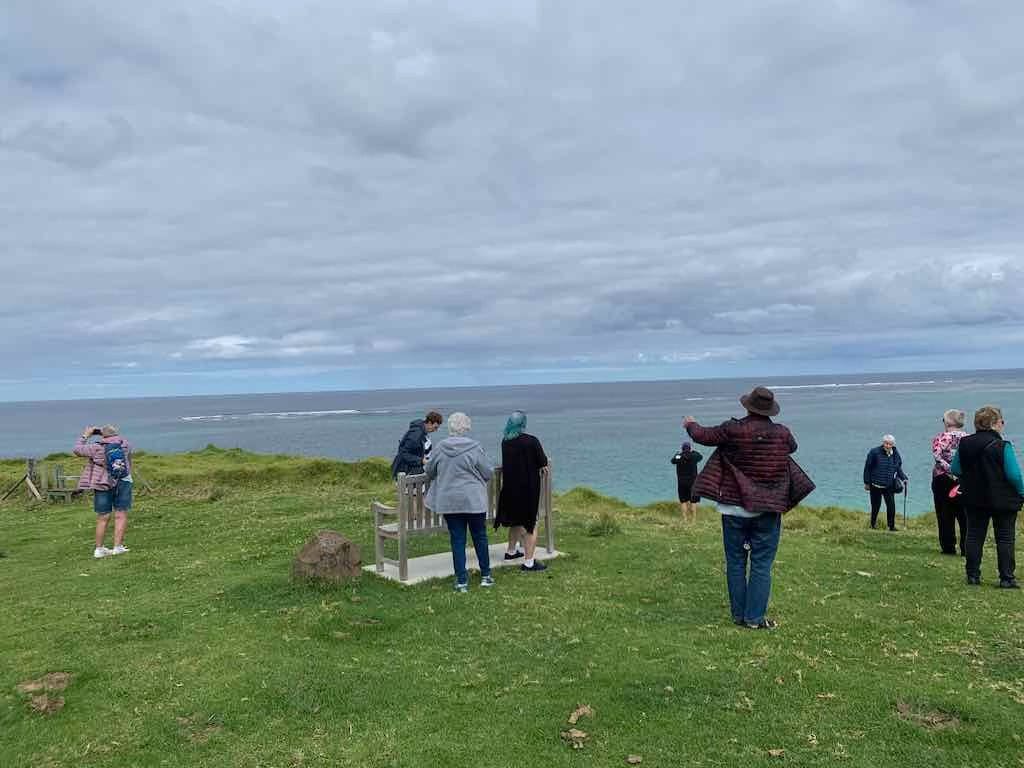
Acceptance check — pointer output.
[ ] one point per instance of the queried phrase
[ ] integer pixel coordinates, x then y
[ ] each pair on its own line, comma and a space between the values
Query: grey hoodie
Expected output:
458, 471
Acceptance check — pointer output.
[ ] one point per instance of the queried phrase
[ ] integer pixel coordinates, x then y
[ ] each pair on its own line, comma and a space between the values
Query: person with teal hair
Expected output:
514, 426
522, 459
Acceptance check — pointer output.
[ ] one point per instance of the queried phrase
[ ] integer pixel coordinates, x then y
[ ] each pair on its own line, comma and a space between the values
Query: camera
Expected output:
97, 431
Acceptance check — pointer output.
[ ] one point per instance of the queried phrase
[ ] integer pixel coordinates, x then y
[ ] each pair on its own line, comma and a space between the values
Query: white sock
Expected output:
528, 563
519, 547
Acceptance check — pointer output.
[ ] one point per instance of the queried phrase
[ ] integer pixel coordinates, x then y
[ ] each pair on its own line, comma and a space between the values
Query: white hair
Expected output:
953, 418
109, 430
459, 423
888, 439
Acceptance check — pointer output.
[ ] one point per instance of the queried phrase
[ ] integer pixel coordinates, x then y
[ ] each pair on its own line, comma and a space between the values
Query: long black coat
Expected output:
521, 461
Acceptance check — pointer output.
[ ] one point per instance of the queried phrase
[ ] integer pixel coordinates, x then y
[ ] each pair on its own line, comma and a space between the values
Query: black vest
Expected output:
983, 481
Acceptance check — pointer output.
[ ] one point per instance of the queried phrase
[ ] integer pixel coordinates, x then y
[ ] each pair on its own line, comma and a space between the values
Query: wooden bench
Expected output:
55, 485
412, 517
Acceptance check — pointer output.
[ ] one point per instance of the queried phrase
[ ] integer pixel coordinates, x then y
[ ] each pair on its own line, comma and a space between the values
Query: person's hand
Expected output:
687, 420
87, 432
867, 487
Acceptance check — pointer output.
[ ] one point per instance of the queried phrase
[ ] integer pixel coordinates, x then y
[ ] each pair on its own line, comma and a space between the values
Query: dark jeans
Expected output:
949, 513
1004, 524
877, 494
748, 594
477, 525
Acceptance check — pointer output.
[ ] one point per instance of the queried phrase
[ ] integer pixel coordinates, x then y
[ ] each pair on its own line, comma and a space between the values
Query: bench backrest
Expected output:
412, 491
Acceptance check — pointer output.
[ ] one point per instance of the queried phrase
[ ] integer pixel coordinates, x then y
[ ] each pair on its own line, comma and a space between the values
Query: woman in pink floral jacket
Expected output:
949, 513
109, 495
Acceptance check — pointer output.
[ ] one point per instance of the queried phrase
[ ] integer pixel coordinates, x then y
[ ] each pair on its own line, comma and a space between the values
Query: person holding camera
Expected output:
108, 475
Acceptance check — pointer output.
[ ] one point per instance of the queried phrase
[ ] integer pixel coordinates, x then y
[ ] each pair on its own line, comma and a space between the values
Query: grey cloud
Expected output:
314, 187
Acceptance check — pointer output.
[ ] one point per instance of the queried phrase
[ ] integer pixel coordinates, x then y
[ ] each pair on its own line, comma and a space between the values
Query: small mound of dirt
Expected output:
53, 681
936, 720
46, 704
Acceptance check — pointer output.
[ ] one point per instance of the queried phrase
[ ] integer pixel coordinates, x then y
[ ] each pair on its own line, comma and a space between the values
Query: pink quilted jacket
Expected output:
94, 473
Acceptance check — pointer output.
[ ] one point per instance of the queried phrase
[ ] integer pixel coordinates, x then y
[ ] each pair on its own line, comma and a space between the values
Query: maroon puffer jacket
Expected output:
751, 468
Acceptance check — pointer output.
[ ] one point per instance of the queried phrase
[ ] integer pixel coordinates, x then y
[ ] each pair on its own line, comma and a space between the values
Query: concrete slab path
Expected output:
439, 566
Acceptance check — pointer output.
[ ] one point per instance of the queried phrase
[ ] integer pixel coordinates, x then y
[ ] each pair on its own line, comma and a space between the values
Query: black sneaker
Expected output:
513, 556
973, 581
1009, 584
537, 566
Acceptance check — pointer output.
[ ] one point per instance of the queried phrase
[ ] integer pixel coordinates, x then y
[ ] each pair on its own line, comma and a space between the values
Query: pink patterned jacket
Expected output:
943, 447
94, 473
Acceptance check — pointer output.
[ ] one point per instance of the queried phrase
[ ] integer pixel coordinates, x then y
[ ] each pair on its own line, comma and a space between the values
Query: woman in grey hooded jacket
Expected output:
458, 471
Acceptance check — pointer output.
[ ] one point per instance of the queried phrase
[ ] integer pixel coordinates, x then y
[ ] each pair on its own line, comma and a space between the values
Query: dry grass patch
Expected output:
935, 720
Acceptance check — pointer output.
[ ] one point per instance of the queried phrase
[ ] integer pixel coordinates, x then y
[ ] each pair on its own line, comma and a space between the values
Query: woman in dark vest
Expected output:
991, 489
522, 459
883, 467
686, 462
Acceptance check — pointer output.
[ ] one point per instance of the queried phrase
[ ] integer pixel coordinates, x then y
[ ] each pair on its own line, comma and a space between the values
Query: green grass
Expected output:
195, 649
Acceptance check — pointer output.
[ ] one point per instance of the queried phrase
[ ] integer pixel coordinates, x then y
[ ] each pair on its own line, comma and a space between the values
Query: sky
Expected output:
246, 196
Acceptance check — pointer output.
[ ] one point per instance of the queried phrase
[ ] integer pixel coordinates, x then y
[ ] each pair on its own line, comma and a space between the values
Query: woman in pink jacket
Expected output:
110, 493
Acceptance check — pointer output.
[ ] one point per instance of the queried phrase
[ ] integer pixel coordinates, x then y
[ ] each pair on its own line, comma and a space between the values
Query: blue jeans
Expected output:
748, 594
477, 524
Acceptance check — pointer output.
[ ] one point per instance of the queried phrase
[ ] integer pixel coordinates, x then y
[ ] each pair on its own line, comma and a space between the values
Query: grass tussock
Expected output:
605, 524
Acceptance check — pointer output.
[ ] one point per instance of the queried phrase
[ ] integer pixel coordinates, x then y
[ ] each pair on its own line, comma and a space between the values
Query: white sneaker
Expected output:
101, 552
120, 549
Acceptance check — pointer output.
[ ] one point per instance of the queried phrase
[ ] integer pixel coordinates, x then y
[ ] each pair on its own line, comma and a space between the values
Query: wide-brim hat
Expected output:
761, 401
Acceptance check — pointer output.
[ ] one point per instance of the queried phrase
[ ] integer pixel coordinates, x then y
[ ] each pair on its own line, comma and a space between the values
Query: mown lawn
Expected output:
195, 649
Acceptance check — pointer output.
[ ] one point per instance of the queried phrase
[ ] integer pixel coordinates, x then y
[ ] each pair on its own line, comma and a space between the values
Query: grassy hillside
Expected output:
195, 649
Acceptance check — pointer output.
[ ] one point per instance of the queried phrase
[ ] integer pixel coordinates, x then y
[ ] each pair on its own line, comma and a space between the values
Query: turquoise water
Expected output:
616, 438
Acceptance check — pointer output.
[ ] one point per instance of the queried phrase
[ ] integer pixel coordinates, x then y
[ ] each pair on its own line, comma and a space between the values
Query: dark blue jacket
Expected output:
409, 458
881, 469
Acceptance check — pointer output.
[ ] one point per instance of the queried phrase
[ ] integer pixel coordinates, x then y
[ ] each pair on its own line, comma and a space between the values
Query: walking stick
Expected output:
906, 492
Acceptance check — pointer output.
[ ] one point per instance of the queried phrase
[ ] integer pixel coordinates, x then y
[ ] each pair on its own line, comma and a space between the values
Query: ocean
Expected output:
616, 438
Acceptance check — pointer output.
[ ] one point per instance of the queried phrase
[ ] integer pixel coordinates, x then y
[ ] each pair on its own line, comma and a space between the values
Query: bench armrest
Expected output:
382, 510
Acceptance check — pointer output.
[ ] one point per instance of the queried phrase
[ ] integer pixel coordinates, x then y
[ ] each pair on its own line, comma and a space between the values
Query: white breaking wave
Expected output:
844, 385
276, 415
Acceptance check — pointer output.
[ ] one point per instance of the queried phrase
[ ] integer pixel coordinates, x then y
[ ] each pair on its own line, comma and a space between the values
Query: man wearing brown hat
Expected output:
752, 478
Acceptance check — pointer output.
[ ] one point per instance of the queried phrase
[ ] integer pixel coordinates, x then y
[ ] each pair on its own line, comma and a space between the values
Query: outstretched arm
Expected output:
705, 435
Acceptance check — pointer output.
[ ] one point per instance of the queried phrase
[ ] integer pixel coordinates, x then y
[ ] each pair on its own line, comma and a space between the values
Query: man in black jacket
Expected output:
414, 447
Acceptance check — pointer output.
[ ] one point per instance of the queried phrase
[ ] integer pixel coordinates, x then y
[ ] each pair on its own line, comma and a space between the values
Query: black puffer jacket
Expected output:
409, 458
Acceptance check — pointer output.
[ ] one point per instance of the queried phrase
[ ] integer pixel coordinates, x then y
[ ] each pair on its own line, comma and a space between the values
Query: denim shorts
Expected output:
119, 497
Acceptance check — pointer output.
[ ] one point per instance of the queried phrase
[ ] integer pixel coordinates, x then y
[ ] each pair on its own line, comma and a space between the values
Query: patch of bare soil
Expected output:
936, 720
45, 704
41, 690
54, 681
197, 733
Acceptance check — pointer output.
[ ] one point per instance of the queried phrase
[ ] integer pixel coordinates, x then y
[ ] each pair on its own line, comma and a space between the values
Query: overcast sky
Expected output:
248, 195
